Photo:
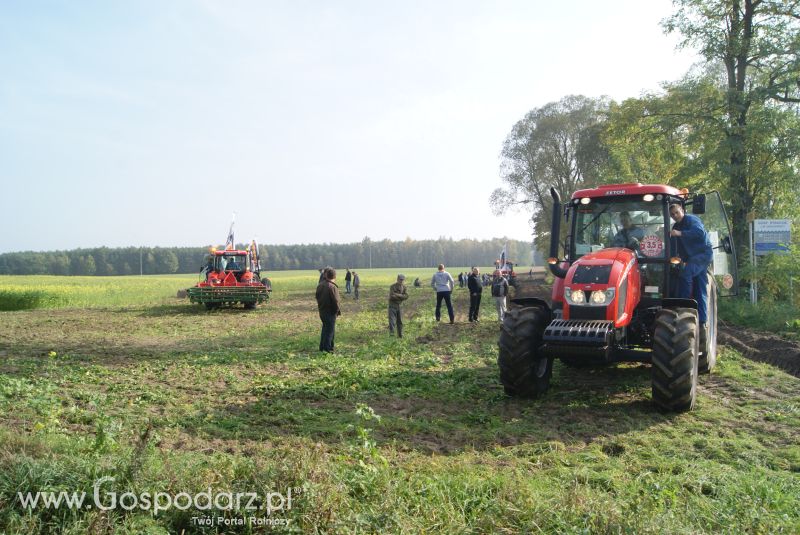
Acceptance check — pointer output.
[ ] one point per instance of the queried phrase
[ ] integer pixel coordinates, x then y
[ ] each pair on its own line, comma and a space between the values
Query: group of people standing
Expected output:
329, 301
443, 283
352, 282
329, 304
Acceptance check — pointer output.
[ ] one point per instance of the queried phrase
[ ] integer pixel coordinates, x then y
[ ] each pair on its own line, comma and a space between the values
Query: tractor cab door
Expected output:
719, 232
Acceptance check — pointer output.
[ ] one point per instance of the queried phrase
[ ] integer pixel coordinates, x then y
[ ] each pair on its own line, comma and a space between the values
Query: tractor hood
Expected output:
601, 267
603, 285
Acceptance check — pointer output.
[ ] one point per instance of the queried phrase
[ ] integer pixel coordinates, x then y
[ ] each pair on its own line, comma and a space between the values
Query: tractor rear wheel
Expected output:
676, 346
524, 371
708, 336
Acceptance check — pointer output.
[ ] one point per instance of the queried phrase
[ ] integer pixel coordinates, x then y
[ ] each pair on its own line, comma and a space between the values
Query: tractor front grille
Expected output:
578, 332
586, 312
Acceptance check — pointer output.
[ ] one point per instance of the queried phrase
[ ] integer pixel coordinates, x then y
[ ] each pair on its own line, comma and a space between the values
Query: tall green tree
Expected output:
557, 145
757, 42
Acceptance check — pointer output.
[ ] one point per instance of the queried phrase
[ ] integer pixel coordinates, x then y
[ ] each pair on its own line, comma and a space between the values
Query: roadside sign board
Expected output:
772, 236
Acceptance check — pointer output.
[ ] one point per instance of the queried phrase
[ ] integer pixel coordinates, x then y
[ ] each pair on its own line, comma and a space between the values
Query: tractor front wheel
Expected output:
676, 345
524, 371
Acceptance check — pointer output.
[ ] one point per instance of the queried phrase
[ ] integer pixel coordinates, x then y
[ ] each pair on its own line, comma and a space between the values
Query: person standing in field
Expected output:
499, 292
397, 294
443, 283
460, 280
356, 284
347, 278
475, 289
329, 309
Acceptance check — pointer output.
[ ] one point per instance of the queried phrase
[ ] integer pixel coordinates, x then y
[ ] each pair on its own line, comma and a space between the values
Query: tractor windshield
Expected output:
635, 225
232, 262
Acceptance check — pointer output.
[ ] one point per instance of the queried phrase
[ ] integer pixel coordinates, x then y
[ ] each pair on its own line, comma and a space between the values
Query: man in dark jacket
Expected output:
694, 248
475, 289
347, 278
329, 310
397, 294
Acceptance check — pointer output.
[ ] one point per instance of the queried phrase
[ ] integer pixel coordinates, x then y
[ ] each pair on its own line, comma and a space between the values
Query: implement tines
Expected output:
228, 294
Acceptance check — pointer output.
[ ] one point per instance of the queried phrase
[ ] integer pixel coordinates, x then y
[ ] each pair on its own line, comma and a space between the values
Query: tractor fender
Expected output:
534, 302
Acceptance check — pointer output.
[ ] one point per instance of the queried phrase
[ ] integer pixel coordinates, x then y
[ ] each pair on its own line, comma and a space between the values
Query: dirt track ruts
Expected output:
762, 347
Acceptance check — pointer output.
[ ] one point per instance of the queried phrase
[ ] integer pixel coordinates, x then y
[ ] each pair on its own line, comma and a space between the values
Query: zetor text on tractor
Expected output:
613, 295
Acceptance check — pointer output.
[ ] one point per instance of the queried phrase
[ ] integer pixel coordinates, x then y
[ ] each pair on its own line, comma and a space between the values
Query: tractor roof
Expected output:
615, 190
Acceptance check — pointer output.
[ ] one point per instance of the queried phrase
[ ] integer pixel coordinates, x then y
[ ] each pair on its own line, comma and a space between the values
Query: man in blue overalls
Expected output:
694, 248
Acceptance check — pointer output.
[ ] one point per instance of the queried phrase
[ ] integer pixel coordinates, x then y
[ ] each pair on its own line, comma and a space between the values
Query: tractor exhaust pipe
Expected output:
555, 235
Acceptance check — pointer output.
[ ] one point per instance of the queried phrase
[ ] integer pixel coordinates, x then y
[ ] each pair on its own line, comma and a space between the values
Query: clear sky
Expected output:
150, 122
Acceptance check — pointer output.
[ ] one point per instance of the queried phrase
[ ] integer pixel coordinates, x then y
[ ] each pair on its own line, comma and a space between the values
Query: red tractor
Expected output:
612, 298
231, 277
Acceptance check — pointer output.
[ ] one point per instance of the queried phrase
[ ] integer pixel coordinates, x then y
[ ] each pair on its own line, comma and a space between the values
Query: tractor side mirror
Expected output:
727, 246
699, 204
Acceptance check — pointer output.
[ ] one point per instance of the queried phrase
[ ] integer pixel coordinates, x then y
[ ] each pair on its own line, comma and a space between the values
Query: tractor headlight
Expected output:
575, 297
602, 297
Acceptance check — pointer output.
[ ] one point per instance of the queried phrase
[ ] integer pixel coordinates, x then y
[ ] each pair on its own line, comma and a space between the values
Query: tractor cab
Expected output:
230, 265
614, 295
624, 231
236, 261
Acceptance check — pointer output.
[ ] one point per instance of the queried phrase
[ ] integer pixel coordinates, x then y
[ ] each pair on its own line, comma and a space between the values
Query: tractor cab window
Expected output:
637, 226
232, 262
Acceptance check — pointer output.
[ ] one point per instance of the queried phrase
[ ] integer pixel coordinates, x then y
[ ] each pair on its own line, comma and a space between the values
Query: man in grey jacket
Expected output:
443, 283
499, 292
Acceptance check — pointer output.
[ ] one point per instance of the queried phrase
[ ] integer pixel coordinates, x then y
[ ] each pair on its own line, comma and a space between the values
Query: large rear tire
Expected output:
676, 345
524, 371
708, 336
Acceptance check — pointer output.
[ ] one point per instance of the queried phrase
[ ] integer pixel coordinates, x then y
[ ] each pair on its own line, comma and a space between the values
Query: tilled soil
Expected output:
762, 347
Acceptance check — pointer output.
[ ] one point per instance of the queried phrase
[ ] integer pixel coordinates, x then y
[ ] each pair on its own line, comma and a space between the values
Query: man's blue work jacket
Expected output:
694, 246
